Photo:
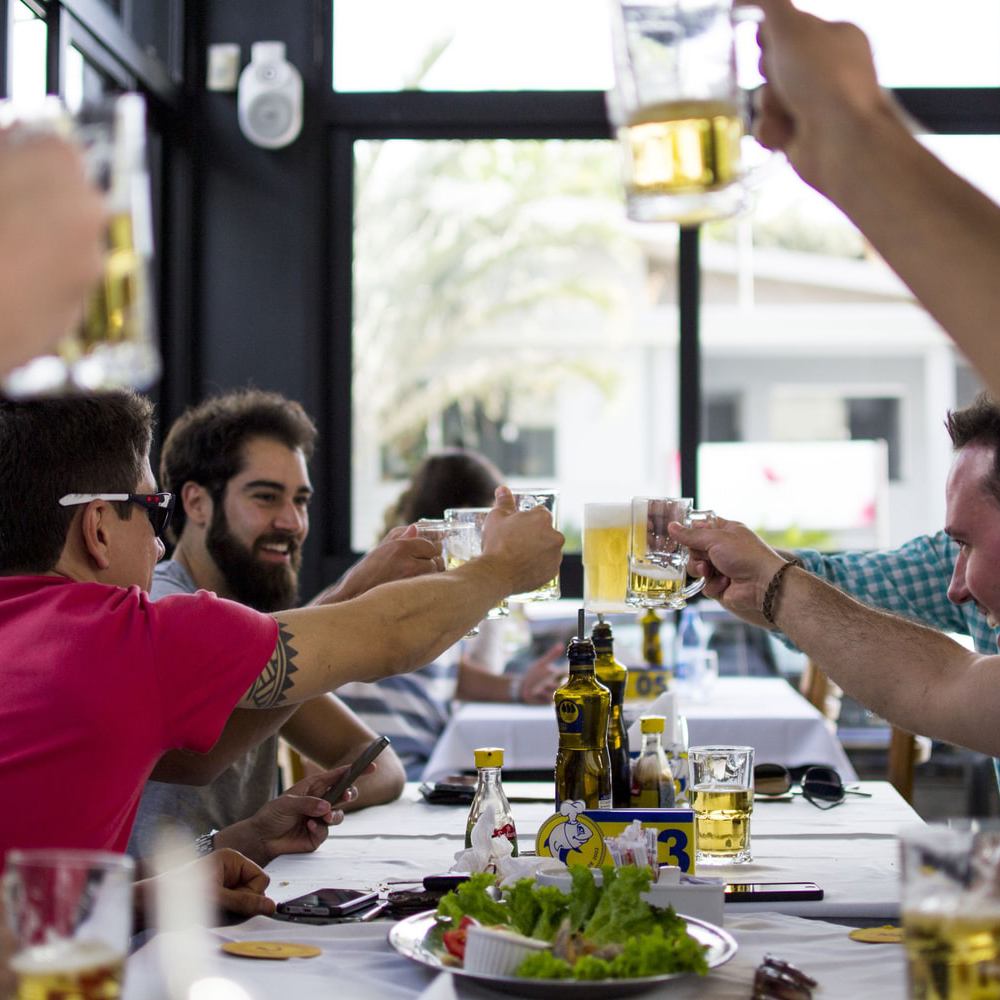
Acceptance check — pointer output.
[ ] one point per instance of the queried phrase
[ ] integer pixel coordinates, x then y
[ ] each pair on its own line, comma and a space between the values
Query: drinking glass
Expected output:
657, 565
720, 791
605, 557
115, 345
467, 544
528, 500
71, 915
678, 109
951, 909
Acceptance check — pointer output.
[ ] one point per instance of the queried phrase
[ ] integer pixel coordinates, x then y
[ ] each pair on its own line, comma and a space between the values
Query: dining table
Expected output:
766, 713
850, 851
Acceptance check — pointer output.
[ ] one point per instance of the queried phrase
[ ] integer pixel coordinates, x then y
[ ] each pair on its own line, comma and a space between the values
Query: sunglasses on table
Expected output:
158, 506
821, 785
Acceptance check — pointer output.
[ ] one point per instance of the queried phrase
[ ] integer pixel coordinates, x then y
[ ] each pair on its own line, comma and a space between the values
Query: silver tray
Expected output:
409, 936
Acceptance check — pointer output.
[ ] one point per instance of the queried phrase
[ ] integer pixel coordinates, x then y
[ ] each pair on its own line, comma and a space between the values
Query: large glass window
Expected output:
27, 54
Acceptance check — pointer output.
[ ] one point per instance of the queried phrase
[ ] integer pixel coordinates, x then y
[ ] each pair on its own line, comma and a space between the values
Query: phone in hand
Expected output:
324, 905
772, 892
370, 752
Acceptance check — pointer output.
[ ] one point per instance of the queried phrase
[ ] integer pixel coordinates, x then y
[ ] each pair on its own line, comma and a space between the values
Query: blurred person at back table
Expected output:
102, 685
414, 710
51, 243
238, 464
845, 136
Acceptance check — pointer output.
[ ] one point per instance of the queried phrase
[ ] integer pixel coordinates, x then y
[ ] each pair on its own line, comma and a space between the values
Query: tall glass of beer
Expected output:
678, 110
951, 909
528, 500
657, 565
605, 557
71, 915
721, 794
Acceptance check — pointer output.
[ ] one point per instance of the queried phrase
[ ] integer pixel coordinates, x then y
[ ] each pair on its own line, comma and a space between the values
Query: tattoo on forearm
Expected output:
268, 691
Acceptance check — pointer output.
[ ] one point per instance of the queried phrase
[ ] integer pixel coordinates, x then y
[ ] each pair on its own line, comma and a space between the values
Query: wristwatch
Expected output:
205, 844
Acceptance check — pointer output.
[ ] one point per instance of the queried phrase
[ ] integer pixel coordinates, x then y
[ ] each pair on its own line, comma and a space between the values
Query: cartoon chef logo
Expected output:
572, 837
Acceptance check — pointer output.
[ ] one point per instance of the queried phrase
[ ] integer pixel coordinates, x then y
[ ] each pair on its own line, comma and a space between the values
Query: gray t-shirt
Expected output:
236, 794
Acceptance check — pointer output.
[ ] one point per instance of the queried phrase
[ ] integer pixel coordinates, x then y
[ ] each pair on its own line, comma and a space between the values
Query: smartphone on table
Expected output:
324, 905
370, 752
772, 892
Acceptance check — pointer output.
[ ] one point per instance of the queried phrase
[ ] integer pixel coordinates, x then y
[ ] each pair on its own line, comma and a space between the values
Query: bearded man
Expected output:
237, 464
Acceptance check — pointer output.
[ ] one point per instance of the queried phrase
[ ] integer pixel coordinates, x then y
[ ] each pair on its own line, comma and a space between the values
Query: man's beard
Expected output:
259, 585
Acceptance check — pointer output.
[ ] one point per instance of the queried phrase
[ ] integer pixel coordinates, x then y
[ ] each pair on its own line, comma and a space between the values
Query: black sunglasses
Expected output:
158, 506
821, 785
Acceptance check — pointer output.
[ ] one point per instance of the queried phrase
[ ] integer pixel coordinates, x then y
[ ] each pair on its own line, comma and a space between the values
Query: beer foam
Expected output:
658, 572
62, 955
605, 515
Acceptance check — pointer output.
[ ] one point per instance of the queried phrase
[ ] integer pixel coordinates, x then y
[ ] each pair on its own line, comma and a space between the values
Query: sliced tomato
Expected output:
454, 940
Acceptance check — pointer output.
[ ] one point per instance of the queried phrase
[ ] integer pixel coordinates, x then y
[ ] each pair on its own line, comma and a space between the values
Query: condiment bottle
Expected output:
613, 675
489, 792
583, 707
652, 779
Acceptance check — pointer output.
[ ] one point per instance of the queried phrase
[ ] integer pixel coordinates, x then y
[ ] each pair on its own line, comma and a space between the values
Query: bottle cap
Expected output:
489, 756
652, 723
601, 635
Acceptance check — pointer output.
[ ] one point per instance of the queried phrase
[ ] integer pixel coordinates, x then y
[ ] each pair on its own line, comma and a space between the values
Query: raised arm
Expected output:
403, 625
845, 136
913, 676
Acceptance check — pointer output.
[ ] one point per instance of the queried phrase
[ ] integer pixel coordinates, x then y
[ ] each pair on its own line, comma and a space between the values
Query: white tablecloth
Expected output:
766, 713
850, 851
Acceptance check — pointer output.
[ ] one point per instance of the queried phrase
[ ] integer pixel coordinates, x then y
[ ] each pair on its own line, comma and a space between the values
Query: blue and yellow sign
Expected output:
575, 835
645, 684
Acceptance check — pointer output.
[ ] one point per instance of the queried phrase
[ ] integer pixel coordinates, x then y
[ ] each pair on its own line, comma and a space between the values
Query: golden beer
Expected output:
654, 586
605, 557
722, 822
953, 956
69, 970
683, 147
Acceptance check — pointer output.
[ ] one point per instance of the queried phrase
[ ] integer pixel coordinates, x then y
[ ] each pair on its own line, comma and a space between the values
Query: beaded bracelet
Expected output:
771, 594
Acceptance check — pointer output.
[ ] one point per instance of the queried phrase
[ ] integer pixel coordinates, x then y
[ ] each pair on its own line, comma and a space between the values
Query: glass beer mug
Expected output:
114, 345
657, 565
678, 110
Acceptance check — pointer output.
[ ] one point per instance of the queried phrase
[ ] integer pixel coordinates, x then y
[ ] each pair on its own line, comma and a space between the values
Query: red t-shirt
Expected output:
96, 684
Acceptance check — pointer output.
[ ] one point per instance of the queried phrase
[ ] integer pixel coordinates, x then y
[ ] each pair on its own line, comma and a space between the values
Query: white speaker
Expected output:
269, 98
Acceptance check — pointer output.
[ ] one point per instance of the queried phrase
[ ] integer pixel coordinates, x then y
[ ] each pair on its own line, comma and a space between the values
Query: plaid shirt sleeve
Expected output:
911, 581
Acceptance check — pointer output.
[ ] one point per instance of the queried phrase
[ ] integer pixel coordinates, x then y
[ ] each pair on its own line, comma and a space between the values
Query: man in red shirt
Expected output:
99, 681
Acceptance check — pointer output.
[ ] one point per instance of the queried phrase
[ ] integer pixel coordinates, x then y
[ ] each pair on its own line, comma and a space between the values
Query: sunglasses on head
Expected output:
821, 785
158, 506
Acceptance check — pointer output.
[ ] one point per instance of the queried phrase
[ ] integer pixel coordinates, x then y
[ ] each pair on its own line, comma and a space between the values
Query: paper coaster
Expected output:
271, 949
886, 934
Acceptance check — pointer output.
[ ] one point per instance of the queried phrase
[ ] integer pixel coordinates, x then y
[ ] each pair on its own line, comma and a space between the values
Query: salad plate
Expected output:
418, 938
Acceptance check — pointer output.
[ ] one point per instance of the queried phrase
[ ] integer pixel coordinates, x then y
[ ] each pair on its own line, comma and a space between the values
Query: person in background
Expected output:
845, 136
917, 678
51, 243
238, 463
415, 709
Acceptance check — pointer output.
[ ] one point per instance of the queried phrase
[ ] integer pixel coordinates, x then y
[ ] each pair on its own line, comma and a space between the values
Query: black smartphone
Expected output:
324, 904
370, 752
772, 892
455, 789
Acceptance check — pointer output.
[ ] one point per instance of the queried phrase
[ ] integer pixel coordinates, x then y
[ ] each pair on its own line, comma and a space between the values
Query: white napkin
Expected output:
489, 853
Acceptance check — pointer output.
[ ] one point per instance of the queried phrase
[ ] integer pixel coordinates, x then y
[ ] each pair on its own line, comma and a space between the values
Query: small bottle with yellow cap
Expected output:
489, 792
652, 779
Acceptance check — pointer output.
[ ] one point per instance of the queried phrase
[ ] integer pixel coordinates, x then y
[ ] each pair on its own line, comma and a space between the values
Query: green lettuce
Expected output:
471, 899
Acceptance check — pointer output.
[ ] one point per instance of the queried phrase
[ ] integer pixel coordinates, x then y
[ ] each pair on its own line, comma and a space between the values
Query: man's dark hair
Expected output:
979, 423
51, 447
205, 443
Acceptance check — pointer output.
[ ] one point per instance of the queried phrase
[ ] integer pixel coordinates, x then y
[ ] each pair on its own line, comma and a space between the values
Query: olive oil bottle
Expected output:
583, 707
613, 675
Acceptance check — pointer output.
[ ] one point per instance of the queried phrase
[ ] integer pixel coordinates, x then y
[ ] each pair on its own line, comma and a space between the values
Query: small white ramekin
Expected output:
494, 951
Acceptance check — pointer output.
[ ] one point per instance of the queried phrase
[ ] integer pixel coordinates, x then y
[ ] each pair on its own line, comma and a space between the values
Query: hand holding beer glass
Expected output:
657, 565
466, 542
528, 500
678, 109
721, 794
71, 915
